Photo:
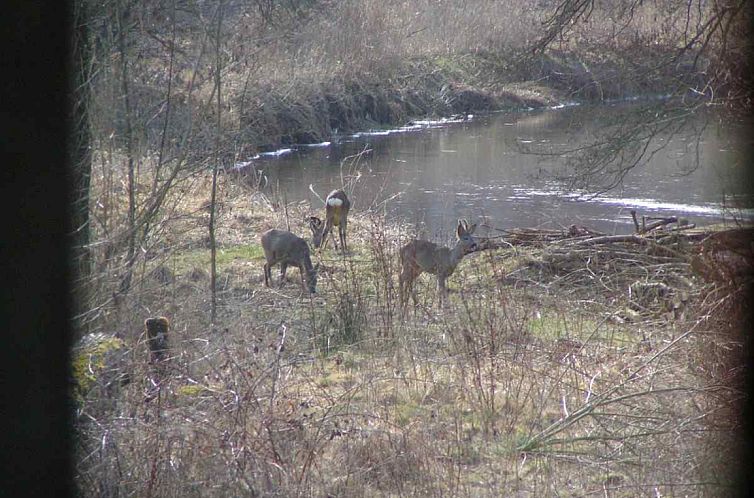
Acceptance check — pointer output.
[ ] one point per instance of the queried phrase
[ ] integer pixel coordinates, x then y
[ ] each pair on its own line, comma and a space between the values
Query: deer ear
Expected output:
461, 229
471, 230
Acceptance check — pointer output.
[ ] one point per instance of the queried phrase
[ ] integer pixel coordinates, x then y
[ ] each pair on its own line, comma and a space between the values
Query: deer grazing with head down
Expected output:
287, 249
420, 256
337, 206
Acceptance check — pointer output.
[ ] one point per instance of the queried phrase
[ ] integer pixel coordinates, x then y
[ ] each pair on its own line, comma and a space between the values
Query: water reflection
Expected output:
477, 168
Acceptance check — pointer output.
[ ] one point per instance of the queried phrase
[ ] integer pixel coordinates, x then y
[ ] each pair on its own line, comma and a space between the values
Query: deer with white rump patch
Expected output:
337, 206
287, 249
420, 256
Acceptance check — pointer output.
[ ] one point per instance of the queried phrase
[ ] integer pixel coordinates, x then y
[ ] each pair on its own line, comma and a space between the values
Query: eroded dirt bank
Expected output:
308, 111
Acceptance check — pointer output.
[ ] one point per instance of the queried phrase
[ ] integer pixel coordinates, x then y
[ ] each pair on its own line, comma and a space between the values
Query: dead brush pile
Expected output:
663, 275
680, 291
652, 273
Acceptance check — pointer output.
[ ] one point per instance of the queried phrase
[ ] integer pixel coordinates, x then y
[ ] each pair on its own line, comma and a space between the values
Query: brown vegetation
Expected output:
548, 371
580, 365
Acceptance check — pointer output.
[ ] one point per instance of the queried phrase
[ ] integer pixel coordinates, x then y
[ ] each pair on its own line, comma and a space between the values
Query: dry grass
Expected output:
530, 382
507, 391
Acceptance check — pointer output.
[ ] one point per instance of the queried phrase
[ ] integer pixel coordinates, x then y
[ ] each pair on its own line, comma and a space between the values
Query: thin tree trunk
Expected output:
215, 165
125, 283
168, 103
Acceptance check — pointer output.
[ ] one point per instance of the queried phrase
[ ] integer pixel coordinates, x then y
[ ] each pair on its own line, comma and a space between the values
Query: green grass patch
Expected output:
334, 378
406, 412
192, 391
185, 261
554, 326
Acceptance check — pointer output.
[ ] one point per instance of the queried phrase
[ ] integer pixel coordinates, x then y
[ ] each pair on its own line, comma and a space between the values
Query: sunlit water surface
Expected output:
436, 172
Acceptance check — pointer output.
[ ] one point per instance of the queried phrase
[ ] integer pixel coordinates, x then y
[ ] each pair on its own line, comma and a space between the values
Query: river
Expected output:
482, 169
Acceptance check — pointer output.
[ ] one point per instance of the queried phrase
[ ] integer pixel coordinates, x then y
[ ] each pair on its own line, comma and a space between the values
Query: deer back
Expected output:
425, 256
281, 245
435, 259
337, 206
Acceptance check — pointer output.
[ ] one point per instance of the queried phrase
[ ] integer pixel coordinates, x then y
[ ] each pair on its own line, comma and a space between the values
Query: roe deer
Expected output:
287, 249
420, 256
337, 206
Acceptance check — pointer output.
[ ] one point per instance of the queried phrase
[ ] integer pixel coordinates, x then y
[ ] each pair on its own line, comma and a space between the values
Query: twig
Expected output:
311, 187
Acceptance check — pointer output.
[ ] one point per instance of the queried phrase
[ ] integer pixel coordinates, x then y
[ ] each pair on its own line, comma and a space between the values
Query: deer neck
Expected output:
456, 254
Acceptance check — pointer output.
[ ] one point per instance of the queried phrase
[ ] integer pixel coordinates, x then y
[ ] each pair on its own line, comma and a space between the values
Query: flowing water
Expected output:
432, 173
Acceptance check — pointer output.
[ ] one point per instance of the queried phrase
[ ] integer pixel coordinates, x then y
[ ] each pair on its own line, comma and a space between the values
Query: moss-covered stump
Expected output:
99, 365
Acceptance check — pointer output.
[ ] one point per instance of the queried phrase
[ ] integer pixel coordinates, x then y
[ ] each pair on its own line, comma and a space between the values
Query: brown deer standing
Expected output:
286, 248
420, 256
337, 206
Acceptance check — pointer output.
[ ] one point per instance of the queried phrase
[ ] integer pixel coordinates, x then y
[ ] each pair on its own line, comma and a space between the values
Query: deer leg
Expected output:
406, 280
283, 269
342, 231
413, 292
267, 274
411, 275
301, 270
334, 239
327, 230
441, 289
402, 287
411, 287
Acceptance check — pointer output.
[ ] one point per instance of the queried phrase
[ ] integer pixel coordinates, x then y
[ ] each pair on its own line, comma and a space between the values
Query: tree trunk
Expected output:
215, 165
125, 283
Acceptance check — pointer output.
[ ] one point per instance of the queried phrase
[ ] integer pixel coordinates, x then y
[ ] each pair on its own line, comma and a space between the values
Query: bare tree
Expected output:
148, 108
710, 67
122, 20
216, 163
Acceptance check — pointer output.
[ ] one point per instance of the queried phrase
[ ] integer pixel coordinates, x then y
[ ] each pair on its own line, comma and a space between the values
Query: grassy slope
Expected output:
346, 394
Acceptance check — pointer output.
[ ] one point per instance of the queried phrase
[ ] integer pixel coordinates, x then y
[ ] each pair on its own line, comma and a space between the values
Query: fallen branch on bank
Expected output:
655, 270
